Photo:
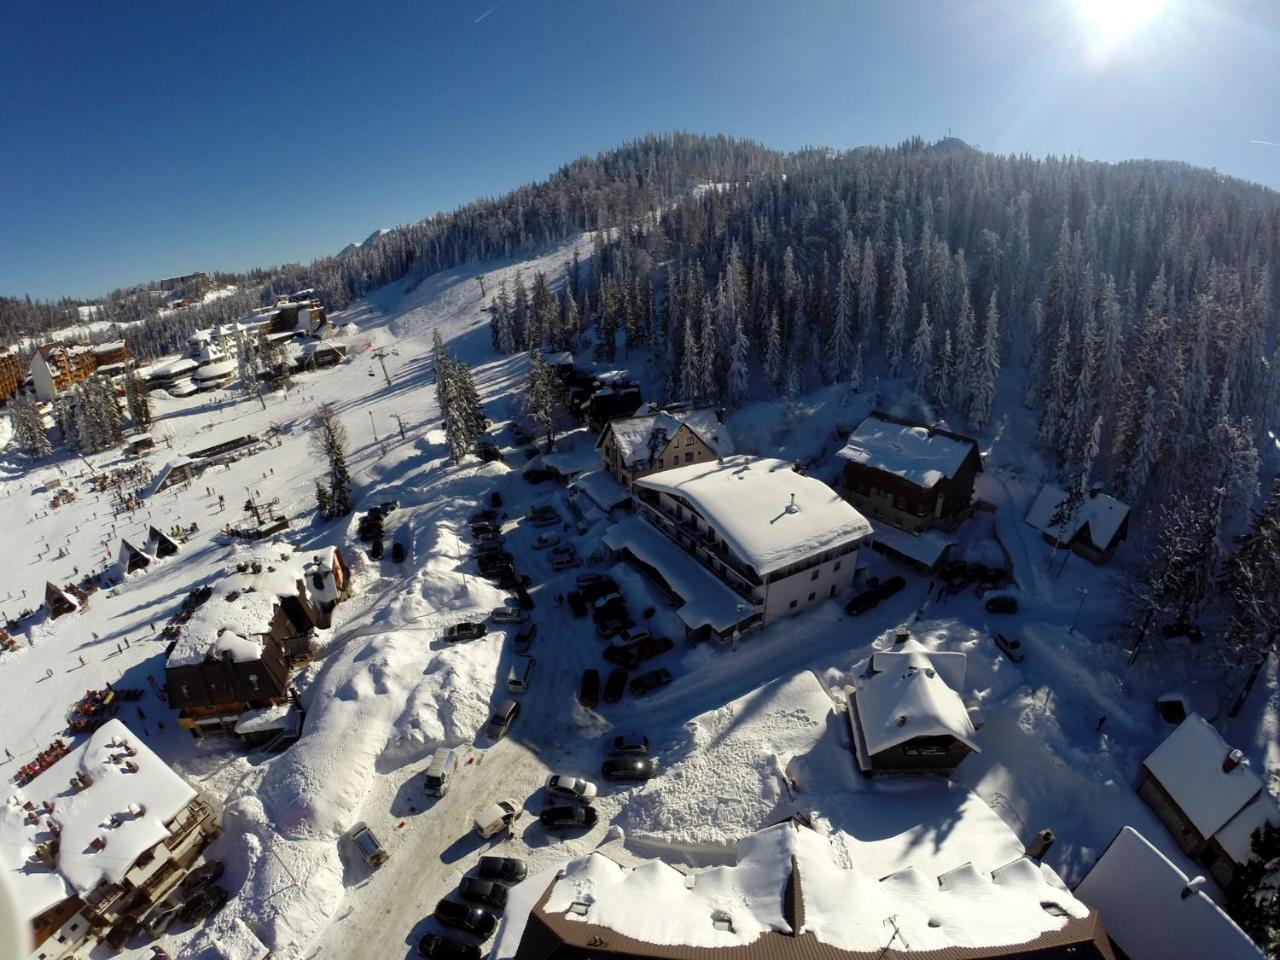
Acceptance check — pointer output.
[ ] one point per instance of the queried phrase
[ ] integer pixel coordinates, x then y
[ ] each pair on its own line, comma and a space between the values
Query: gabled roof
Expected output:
1189, 766
634, 435
912, 700
770, 515
919, 454
1140, 895
1100, 514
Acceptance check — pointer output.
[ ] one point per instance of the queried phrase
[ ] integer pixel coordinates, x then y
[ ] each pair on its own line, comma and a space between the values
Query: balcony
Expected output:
685, 535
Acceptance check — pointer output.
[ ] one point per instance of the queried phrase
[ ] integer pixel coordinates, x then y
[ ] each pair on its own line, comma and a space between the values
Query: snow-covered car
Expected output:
523, 641
651, 681
507, 615
595, 584
612, 627
463, 916
487, 451
1002, 604
635, 636
488, 892
204, 904
488, 546
503, 869
576, 816
623, 655
564, 550
487, 536
551, 519
627, 745
1010, 647
368, 845
493, 819
466, 630
629, 768
546, 540
566, 785
563, 561
162, 917
607, 600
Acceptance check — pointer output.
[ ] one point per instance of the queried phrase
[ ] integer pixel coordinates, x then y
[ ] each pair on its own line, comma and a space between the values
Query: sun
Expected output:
1111, 22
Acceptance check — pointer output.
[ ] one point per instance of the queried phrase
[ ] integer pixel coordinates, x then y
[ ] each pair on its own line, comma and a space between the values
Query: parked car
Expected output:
463, 916
577, 604
612, 627
484, 516
488, 892
546, 540
466, 630
577, 816
648, 682
500, 723
495, 818
1011, 647
634, 637
205, 903
629, 768
862, 602
607, 601
575, 788
208, 872
564, 550
488, 546
368, 845
616, 685
538, 474
520, 674
375, 550
563, 561
551, 519
439, 772
596, 584
523, 641
436, 946
1002, 604
655, 647
493, 561
616, 611
487, 536
627, 745
161, 917
523, 600
507, 578
589, 689
625, 655
890, 587
503, 869
485, 526
507, 615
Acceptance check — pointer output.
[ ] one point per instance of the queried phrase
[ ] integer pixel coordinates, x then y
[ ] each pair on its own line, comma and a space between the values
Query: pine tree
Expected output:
690, 365
840, 346
965, 371
1251, 587
943, 372
868, 284
987, 369
922, 352
540, 394
855, 368
1078, 420
1146, 448
138, 400
247, 364
1055, 401
708, 354
739, 385
896, 334
324, 502
1253, 900
773, 370
1035, 356
331, 443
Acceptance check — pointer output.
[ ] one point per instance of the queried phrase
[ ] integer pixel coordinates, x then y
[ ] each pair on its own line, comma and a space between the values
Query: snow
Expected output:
770, 515
910, 699
601, 489
1189, 767
917, 454
1101, 513
1140, 896
707, 599
633, 435
1237, 836
143, 801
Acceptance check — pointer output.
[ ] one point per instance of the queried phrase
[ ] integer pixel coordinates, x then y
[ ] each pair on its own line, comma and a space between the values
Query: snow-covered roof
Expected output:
925, 547
234, 627
1102, 513
127, 782
1189, 766
950, 664
1139, 894
215, 371
633, 435
573, 461
708, 600
321, 563
604, 491
770, 515
111, 347
280, 716
841, 908
911, 699
1236, 837
916, 453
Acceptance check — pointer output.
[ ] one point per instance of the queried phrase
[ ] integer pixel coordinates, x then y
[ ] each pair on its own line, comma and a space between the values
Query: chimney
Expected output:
902, 636
1193, 886
1232, 760
1040, 844
791, 507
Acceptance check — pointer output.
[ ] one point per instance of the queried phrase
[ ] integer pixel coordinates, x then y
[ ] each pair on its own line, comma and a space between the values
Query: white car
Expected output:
546, 540
575, 788
493, 819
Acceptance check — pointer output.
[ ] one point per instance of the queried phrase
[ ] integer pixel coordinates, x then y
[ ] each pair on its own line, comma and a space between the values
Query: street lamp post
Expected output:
1084, 592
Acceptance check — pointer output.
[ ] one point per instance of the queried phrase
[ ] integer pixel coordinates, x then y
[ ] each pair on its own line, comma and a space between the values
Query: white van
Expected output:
439, 772
518, 677
495, 818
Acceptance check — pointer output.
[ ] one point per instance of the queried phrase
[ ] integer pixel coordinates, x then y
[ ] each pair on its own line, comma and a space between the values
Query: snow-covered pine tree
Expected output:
1251, 588
773, 362
943, 372
964, 372
868, 289
987, 368
1253, 900
331, 442
1057, 391
1035, 356
520, 314
690, 365
922, 353
899, 298
247, 364
138, 400
708, 387
840, 347
1078, 420
570, 321
855, 368
324, 502
1146, 448
739, 381
539, 393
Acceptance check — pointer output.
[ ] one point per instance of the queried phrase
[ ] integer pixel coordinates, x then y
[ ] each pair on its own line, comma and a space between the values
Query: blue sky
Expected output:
144, 139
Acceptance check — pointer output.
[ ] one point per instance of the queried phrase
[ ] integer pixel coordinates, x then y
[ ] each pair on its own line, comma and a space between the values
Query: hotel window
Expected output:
688, 458
812, 597
792, 604
688, 441
814, 575
836, 567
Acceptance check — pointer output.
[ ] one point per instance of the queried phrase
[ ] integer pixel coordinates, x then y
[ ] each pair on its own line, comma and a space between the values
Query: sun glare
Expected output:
1112, 22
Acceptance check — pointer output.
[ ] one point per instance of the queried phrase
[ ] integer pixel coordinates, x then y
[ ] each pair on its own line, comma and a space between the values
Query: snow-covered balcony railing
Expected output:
197, 812
718, 561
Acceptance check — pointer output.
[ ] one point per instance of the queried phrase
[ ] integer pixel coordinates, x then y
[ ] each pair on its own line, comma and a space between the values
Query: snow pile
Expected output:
915, 453
737, 764
126, 796
770, 515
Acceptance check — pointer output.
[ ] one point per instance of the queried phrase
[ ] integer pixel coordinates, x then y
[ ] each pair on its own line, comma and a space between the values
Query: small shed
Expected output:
1100, 523
160, 544
131, 559
58, 600
181, 470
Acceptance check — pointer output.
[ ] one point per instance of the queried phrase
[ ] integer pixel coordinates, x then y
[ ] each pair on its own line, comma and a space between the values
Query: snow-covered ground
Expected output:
744, 736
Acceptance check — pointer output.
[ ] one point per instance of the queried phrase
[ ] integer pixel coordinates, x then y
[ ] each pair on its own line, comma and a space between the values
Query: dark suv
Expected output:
463, 916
